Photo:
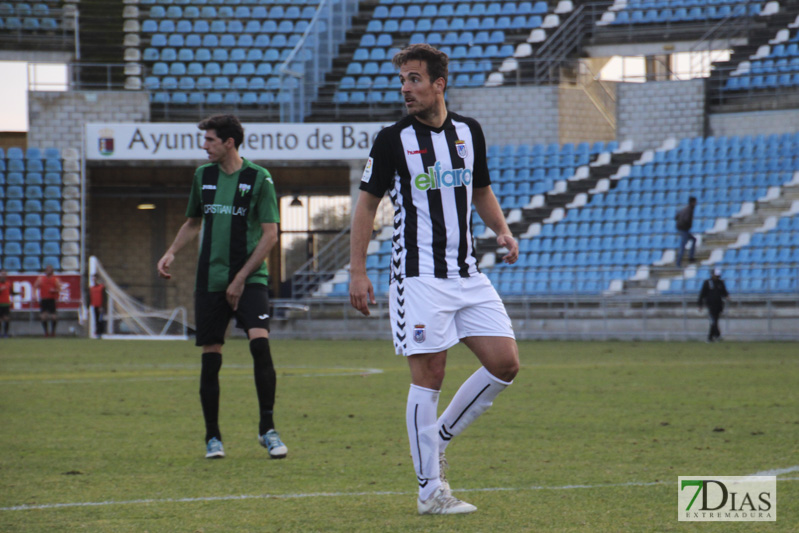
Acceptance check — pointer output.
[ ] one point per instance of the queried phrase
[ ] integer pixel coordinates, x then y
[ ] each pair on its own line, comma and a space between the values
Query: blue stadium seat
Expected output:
31, 263
157, 12
51, 219
150, 54
213, 98
166, 26
33, 206
266, 98
11, 263
51, 260
52, 206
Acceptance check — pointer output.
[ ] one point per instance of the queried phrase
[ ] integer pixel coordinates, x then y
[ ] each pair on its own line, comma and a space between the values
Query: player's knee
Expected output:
505, 367
258, 345
429, 377
260, 351
435, 376
211, 365
512, 368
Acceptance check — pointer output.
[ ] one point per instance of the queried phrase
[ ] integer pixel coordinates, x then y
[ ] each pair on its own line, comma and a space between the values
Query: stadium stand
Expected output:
773, 65
670, 12
176, 49
32, 209
38, 25
593, 218
479, 37
238, 47
595, 245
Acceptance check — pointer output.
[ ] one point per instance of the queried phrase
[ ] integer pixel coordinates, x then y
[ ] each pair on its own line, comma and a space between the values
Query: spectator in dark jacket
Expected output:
685, 219
712, 295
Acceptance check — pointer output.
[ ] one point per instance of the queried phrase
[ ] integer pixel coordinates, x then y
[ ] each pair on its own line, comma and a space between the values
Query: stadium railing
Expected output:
302, 73
55, 29
748, 315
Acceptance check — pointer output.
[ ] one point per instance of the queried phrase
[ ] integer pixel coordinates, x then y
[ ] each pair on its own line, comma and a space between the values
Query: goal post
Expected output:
127, 318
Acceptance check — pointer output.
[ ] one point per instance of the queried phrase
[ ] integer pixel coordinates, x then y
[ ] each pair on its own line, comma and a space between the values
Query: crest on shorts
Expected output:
460, 146
419, 334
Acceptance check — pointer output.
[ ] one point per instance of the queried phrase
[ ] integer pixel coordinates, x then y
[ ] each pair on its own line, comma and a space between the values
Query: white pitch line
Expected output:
299, 496
777, 471
359, 494
338, 372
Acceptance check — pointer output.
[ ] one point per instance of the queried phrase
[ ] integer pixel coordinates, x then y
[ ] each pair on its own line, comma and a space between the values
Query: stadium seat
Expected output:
11, 263
32, 247
13, 233
31, 263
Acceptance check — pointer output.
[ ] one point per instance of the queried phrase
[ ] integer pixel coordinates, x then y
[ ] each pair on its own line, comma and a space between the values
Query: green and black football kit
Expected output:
232, 207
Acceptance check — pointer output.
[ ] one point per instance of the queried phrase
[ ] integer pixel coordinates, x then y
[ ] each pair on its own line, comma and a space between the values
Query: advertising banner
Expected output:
26, 298
262, 141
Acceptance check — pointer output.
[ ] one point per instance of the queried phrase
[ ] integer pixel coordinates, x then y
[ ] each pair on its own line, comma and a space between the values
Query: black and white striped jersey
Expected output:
429, 174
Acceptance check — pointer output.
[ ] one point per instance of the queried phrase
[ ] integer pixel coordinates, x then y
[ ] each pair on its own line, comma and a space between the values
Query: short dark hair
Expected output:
436, 60
692, 200
226, 127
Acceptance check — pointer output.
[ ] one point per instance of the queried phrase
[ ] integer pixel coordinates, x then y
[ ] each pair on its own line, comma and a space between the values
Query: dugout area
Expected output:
134, 210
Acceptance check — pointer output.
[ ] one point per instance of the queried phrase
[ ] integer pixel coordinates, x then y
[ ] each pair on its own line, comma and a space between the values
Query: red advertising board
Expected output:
26, 298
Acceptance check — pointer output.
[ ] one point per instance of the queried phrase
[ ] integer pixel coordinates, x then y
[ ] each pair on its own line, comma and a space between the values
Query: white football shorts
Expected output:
429, 315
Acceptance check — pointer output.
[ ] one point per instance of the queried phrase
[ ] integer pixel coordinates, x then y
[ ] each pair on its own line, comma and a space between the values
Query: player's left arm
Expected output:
257, 257
268, 216
489, 210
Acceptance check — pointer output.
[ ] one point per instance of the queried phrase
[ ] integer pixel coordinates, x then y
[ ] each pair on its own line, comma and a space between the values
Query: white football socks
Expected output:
473, 399
420, 419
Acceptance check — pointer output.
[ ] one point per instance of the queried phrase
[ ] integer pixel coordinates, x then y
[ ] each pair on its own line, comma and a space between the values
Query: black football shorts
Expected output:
213, 313
47, 305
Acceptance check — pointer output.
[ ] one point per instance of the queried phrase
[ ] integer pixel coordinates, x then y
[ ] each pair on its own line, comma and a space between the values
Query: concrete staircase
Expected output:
730, 233
101, 38
552, 207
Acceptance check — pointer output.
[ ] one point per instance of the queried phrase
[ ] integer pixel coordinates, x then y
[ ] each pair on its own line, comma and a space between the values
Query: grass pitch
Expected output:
108, 436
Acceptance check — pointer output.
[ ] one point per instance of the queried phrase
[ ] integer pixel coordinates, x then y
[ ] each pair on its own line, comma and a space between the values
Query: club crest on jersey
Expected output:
419, 334
460, 147
244, 188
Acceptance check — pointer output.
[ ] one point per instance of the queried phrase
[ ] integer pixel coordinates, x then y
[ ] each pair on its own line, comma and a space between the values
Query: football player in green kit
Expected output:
233, 208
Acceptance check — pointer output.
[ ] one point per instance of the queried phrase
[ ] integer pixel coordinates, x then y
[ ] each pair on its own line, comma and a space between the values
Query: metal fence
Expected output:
56, 30
593, 317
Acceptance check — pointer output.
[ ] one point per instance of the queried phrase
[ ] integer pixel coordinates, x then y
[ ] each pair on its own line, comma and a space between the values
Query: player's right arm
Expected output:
378, 175
188, 231
361, 291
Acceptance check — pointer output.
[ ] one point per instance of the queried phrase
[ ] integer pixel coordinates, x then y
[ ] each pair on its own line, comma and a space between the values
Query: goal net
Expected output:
127, 318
